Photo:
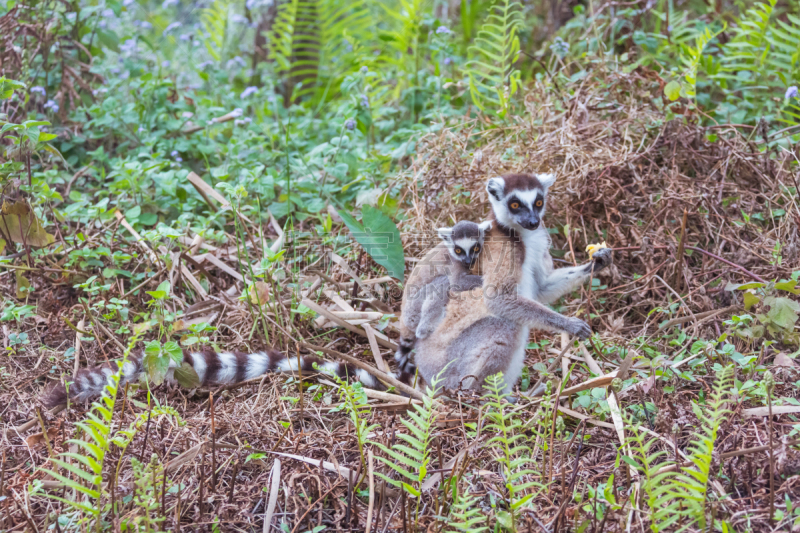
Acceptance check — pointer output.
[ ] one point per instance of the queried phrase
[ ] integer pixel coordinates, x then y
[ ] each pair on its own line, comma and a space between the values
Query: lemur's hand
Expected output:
602, 258
578, 328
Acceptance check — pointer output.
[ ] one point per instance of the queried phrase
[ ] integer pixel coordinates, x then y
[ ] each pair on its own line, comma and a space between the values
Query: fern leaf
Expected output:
493, 78
466, 515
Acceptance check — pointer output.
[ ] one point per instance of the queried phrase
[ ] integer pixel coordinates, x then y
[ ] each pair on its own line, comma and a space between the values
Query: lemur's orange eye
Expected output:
515, 205
476, 249
458, 251
539, 203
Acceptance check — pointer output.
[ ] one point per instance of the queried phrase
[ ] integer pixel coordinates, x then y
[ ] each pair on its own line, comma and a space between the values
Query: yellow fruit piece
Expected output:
592, 248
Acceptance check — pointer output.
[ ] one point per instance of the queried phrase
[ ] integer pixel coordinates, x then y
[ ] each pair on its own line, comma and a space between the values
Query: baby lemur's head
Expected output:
519, 200
464, 241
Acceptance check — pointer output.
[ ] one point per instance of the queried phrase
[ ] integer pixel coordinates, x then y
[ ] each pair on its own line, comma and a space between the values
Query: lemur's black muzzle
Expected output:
530, 222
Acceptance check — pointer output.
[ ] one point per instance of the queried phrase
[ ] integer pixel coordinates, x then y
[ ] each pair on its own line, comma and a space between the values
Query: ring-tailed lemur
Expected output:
485, 331
446, 267
212, 368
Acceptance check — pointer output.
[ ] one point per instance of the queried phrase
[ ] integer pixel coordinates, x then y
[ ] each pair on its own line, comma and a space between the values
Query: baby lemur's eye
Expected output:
539, 203
476, 249
515, 205
459, 251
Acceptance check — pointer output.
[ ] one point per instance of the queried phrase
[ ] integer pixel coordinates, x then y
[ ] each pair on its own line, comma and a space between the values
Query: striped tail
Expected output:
212, 368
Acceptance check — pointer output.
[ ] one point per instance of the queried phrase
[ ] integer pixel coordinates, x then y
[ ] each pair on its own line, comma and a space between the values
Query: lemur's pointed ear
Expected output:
546, 180
445, 233
485, 226
495, 187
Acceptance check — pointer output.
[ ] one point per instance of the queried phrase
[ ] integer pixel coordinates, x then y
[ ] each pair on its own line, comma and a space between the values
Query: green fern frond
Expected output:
692, 58
354, 402
682, 496
509, 441
493, 78
411, 462
309, 39
215, 23
87, 468
465, 515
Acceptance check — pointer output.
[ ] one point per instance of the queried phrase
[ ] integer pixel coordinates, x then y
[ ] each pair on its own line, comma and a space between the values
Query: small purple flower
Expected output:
38, 89
129, 46
243, 121
236, 61
185, 37
249, 91
791, 92
364, 101
52, 105
145, 25
172, 27
140, 130
447, 61
236, 113
165, 63
364, 70
174, 153
108, 13
443, 30
179, 160
127, 3
350, 124
239, 19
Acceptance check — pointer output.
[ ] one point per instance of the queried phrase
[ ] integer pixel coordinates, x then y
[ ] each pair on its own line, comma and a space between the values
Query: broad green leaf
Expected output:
133, 213
157, 369
750, 300
22, 285
789, 286
783, 311
743, 286
152, 348
186, 376
673, 90
164, 287
20, 223
380, 238
173, 349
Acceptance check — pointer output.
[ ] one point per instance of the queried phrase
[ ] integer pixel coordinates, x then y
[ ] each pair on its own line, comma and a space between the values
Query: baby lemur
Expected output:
449, 266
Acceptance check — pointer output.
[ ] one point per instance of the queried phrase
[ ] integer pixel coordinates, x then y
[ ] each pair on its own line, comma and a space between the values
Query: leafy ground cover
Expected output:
178, 175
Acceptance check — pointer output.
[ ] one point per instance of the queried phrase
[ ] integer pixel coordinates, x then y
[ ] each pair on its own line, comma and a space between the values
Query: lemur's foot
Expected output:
602, 258
404, 359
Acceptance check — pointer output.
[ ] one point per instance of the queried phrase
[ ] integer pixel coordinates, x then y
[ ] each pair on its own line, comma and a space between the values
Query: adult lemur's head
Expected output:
519, 200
